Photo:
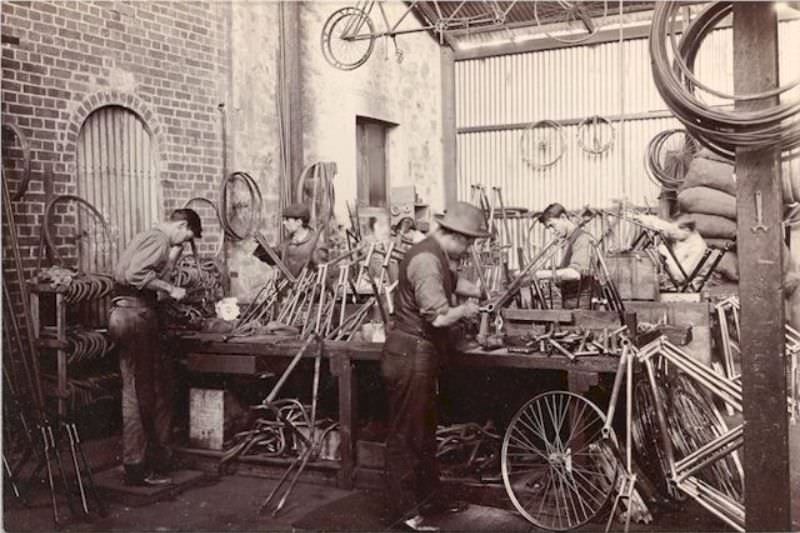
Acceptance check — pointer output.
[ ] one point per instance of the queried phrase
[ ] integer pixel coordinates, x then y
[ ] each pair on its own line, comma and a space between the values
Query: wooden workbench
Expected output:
215, 353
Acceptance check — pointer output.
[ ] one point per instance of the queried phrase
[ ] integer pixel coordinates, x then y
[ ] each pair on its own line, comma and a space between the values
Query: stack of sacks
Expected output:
708, 198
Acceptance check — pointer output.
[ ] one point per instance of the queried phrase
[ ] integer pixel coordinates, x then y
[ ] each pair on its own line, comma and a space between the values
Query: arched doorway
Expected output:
118, 174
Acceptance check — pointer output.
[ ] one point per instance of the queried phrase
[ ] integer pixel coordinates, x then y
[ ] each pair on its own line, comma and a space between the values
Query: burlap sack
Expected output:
707, 201
728, 267
710, 170
711, 226
790, 176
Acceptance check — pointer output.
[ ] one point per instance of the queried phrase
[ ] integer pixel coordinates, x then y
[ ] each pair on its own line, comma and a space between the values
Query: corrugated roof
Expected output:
472, 17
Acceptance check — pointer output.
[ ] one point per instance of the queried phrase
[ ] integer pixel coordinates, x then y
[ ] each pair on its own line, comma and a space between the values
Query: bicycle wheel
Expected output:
554, 464
75, 231
695, 417
648, 442
348, 38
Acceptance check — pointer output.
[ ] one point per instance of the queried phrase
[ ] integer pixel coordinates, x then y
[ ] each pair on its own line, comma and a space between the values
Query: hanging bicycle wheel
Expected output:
695, 417
571, 22
555, 465
348, 38
542, 144
595, 135
74, 229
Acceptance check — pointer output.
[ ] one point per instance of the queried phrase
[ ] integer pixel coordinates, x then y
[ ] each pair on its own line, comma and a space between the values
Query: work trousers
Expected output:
411, 470
146, 392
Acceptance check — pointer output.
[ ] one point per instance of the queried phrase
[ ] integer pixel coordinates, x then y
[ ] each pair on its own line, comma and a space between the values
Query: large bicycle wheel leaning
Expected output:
648, 439
556, 468
348, 38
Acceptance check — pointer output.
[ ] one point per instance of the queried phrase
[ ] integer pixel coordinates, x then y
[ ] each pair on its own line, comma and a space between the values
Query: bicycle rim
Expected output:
554, 464
338, 47
647, 439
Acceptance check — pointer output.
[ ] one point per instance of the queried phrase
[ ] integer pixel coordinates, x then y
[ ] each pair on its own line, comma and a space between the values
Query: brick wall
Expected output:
63, 60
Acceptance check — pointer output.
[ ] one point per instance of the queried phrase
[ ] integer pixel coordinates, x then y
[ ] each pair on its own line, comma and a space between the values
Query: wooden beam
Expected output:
542, 42
648, 115
760, 247
449, 151
292, 47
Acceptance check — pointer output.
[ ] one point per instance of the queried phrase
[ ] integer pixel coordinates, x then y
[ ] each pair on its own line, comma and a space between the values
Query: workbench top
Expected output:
216, 344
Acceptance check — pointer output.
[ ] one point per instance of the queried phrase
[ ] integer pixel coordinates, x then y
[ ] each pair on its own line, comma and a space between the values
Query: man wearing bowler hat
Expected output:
412, 356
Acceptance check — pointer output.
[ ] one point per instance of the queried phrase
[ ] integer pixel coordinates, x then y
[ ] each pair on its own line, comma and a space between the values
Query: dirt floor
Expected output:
231, 503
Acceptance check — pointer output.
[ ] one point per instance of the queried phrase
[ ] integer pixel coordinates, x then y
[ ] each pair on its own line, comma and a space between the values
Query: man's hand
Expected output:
469, 309
177, 293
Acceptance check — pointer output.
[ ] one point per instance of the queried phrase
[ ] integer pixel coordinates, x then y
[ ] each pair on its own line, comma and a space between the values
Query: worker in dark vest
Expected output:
412, 356
145, 365
302, 244
574, 273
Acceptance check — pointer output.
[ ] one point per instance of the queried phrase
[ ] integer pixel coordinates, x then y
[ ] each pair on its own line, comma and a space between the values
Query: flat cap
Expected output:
296, 211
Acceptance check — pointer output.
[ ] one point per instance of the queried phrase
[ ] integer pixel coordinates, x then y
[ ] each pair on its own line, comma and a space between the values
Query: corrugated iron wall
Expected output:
118, 174
496, 96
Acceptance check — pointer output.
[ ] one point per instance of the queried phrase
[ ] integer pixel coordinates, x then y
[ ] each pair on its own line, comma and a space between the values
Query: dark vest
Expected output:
407, 313
575, 294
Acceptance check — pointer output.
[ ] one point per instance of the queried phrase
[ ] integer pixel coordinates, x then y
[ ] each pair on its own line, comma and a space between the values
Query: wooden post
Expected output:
291, 44
760, 246
342, 368
449, 152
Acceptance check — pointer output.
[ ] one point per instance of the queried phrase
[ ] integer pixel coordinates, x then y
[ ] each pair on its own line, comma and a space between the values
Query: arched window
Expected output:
118, 174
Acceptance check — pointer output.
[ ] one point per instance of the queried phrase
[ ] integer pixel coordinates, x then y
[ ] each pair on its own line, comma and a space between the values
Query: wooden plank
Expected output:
677, 313
223, 364
760, 246
502, 359
348, 418
538, 315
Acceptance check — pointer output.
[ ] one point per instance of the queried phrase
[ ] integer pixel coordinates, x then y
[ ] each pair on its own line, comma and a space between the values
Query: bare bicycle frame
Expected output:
726, 387
450, 22
359, 27
683, 472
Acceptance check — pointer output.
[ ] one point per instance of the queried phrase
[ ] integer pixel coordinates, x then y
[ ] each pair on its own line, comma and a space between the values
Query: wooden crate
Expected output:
635, 275
207, 414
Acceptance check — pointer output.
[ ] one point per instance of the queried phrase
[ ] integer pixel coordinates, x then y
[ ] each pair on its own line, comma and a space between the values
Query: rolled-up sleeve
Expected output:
425, 276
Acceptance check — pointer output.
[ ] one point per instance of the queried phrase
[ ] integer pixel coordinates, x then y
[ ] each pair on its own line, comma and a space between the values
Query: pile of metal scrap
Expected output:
573, 343
203, 281
469, 450
77, 286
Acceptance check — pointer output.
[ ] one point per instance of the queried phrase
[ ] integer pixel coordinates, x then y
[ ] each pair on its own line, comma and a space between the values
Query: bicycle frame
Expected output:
449, 22
683, 472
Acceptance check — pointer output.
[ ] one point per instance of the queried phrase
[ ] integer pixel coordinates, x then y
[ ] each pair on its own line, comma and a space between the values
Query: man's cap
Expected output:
466, 219
296, 211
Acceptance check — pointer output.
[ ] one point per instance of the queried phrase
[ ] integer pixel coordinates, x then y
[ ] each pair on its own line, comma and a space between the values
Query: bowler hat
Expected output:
296, 211
466, 219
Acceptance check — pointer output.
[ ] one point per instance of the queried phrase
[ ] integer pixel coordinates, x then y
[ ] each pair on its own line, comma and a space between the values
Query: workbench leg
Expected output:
348, 422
